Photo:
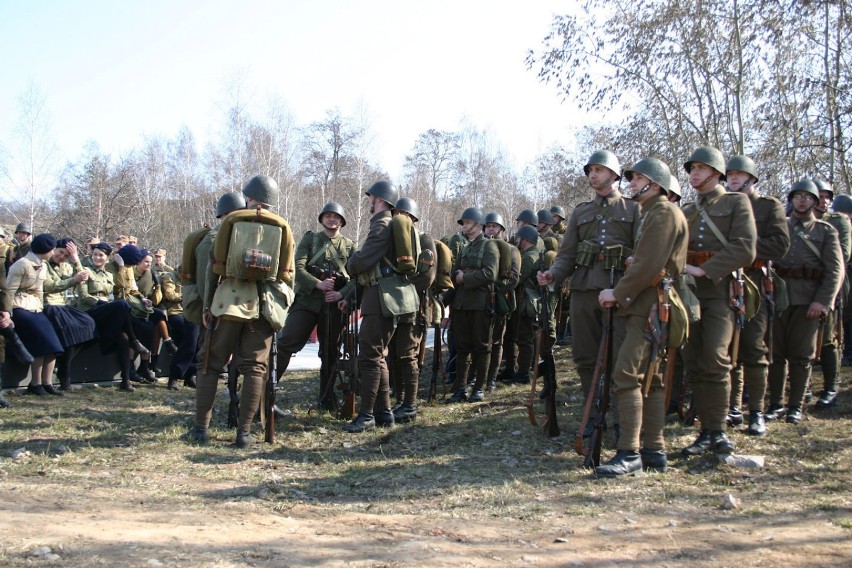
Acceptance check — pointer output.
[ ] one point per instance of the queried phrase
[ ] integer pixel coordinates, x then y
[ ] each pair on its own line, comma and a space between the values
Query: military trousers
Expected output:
707, 362
403, 357
497, 337
587, 330
374, 337
753, 361
472, 330
250, 343
794, 345
641, 419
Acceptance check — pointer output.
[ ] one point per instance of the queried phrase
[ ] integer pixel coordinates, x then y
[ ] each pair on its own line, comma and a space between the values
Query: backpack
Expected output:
443, 275
188, 263
254, 245
406, 244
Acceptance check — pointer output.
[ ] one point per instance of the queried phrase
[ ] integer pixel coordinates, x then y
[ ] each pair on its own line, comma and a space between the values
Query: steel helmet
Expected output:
385, 191
709, 156
527, 216
408, 205
472, 214
24, 228
806, 185
528, 233
557, 210
842, 204
606, 159
333, 207
674, 186
743, 164
262, 189
231, 201
653, 169
545, 216
495, 218
823, 185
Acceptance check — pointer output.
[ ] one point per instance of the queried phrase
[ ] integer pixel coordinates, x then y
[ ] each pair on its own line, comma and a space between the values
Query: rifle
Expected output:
598, 396
437, 359
769, 298
657, 332
234, 402
331, 343
539, 340
820, 337
269, 403
737, 302
550, 425
350, 354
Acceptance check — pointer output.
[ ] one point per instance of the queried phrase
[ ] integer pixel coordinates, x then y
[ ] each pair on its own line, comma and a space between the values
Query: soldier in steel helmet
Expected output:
722, 239
773, 240
559, 217
372, 261
525, 218
528, 297
405, 346
813, 271
599, 238
830, 350
842, 204
474, 275
321, 282
237, 326
545, 230
504, 287
660, 252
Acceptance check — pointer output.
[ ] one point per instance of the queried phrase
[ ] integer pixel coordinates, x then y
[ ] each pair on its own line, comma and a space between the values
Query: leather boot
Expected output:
654, 460
170, 345
699, 446
172, 384
774, 412
16, 346
48, 388
361, 423
137, 346
794, 415
459, 396
384, 418
476, 395
190, 382
827, 398
405, 414
3, 402
625, 463
720, 443
152, 365
198, 435
145, 372
244, 439
756, 423
735, 416
125, 385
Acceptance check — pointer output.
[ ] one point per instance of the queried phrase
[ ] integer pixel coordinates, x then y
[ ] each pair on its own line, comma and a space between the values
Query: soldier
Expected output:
598, 240
321, 282
472, 310
527, 217
660, 250
20, 245
829, 351
674, 193
545, 231
376, 330
813, 271
527, 299
773, 240
505, 286
160, 265
235, 323
183, 332
843, 204
411, 329
559, 217
722, 239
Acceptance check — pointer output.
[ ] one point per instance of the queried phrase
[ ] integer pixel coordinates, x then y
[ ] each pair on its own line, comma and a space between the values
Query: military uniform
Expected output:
505, 288
182, 331
773, 240
707, 353
595, 227
526, 315
813, 271
315, 253
471, 313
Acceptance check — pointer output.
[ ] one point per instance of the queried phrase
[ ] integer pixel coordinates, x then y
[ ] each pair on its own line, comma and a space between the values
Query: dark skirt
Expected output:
36, 332
110, 319
73, 326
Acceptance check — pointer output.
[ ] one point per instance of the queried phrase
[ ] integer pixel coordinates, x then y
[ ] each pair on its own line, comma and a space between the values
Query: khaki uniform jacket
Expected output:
732, 216
589, 221
96, 289
481, 258
378, 245
25, 283
172, 293
773, 236
660, 246
341, 248
824, 237
149, 287
123, 278
844, 232
60, 277
527, 282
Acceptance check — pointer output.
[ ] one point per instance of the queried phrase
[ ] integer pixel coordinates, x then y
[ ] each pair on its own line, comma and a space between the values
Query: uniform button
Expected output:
628, 299
700, 236
700, 245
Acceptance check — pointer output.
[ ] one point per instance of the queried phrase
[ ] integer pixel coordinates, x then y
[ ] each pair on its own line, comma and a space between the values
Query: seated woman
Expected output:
135, 283
25, 282
112, 318
73, 327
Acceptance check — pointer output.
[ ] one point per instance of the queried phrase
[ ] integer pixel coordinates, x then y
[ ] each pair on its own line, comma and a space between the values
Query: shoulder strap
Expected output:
713, 227
801, 234
335, 258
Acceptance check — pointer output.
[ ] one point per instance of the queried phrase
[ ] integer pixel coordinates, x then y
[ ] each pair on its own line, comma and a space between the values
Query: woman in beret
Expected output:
112, 318
25, 293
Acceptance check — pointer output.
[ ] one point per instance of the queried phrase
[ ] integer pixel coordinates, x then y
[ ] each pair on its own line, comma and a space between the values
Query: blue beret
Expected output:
131, 254
43, 243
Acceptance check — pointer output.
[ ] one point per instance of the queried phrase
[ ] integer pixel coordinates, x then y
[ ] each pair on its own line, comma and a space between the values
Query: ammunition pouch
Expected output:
615, 256
612, 256
587, 254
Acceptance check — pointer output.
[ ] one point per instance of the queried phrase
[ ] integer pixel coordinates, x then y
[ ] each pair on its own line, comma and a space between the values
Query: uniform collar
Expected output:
614, 196
711, 195
659, 198
34, 259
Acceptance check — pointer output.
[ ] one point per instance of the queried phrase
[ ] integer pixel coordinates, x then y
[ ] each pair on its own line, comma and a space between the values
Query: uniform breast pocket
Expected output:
722, 219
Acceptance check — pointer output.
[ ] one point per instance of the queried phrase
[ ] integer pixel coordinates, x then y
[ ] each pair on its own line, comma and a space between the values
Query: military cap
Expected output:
43, 243
25, 228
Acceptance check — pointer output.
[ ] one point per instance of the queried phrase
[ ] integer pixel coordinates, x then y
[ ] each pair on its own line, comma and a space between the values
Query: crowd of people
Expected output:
760, 285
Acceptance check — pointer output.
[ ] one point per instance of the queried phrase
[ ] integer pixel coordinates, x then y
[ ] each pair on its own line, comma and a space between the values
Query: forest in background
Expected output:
767, 78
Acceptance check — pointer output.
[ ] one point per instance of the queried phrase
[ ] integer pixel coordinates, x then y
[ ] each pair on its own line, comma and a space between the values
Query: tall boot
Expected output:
830, 364
407, 412
145, 372
155, 371
756, 382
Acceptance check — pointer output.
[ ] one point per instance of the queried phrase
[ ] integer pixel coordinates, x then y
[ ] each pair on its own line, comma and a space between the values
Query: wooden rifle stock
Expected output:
269, 406
347, 411
820, 337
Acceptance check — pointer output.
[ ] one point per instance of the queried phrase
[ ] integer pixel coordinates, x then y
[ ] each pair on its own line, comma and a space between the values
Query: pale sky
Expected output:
116, 71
